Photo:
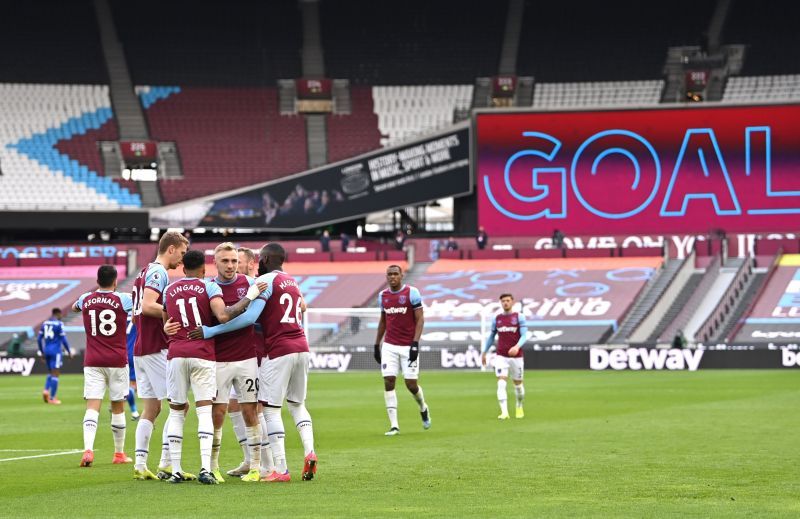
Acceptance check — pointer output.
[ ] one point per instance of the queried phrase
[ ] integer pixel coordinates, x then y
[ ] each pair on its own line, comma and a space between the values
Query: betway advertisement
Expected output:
678, 170
776, 314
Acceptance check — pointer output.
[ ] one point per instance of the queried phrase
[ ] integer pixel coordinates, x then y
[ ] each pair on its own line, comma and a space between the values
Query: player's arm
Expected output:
248, 318
419, 319
150, 305
226, 313
39, 341
64, 342
79, 303
523, 335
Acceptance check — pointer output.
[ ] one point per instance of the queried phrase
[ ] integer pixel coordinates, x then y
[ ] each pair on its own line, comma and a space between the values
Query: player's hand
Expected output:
255, 290
197, 333
171, 327
71, 353
413, 353
39, 353
377, 353
513, 351
483, 359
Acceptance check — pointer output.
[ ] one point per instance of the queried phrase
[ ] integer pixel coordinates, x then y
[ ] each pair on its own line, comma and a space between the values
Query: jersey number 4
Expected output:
195, 311
288, 300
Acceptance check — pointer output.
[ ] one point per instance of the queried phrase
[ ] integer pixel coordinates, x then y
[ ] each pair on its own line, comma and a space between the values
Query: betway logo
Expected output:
790, 359
396, 310
475, 335
337, 361
17, 365
644, 358
511, 329
758, 334
468, 359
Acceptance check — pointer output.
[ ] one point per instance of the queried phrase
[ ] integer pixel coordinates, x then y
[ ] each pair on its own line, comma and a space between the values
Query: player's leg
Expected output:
118, 387
150, 395
390, 367
411, 378
276, 383
246, 383
203, 379
517, 373
46, 389
132, 393
54, 364
501, 366
218, 410
94, 387
235, 414
295, 401
267, 461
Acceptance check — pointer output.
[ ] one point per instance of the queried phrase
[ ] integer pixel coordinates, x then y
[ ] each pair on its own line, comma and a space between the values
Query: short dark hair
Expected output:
273, 249
398, 267
55, 311
106, 275
193, 259
502, 296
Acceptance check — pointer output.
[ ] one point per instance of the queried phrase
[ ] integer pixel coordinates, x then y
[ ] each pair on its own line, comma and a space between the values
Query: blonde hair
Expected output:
226, 246
250, 253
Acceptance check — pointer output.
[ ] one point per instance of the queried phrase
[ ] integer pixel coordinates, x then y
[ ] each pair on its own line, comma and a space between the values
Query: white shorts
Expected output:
151, 375
96, 380
516, 365
199, 374
282, 378
238, 379
394, 359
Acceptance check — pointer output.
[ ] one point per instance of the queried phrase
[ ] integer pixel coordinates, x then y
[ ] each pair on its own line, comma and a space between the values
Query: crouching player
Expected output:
190, 302
510, 326
105, 363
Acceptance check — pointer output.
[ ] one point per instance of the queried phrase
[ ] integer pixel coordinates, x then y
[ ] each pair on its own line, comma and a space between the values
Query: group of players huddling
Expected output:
238, 343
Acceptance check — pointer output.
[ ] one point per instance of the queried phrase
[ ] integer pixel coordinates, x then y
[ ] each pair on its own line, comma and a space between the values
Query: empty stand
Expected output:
227, 138
354, 133
597, 93
763, 88
46, 138
769, 29
418, 41
574, 41
411, 111
51, 41
238, 43
775, 316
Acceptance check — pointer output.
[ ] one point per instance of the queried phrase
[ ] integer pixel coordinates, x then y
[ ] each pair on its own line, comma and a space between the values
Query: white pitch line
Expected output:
74, 451
31, 450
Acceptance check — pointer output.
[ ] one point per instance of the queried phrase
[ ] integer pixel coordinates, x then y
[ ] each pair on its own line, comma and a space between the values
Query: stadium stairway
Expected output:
739, 312
676, 306
722, 277
653, 290
692, 305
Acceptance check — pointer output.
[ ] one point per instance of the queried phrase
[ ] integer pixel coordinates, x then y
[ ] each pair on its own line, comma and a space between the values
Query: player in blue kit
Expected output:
131, 338
51, 339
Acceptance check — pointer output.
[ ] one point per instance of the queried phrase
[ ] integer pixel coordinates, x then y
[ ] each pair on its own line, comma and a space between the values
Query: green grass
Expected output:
643, 444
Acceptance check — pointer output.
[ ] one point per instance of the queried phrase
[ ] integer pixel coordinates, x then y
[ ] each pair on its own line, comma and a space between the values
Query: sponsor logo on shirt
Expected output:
511, 329
396, 310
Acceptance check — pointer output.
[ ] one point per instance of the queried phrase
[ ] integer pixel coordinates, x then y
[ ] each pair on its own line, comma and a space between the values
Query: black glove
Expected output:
413, 353
377, 353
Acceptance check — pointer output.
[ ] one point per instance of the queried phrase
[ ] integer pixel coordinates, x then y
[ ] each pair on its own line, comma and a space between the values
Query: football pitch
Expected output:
643, 444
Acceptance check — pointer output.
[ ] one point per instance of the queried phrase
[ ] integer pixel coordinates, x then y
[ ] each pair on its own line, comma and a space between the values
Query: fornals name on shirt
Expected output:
101, 300
22, 366
645, 358
396, 310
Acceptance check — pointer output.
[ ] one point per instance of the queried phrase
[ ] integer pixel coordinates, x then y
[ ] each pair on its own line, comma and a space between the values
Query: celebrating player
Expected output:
150, 350
510, 326
248, 266
105, 363
237, 367
190, 302
51, 339
284, 373
402, 320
